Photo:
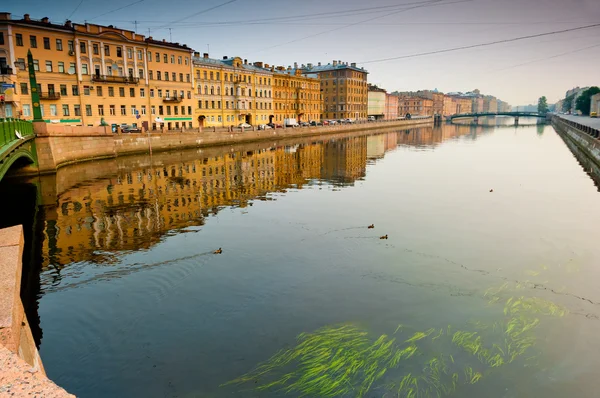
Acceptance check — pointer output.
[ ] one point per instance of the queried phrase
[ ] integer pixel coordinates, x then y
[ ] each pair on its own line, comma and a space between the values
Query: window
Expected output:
99, 91
24, 89
160, 110
111, 91
181, 77
172, 59
168, 109
111, 110
48, 66
19, 39
26, 110
95, 49
86, 90
77, 110
32, 41
140, 55
120, 52
63, 89
108, 70
82, 47
88, 110
36, 65
176, 110
100, 110
159, 93
165, 58
168, 93
75, 89
157, 57
189, 94
142, 92
72, 68
189, 110
151, 93
129, 53
187, 60
61, 67
200, 104
84, 69
65, 110
143, 110
219, 119
132, 92
158, 75
152, 109
121, 91
106, 49
187, 78
150, 75
141, 73
183, 110
71, 46
133, 110
54, 110
123, 110
46, 43
205, 75
167, 76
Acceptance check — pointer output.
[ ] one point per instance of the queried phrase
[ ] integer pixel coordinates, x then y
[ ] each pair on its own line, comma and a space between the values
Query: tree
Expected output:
568, 103
543, 105
584, 101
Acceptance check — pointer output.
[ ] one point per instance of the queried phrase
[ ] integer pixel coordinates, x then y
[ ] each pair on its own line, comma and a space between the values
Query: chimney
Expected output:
164, 40
267, 66
245, 62
295, 65
68, 23
26, 17
353, 64
319, 64
196, 54
205, 55
5, 16
334, 63
150, 38
224, 56
309, 66
45, 20
258, 64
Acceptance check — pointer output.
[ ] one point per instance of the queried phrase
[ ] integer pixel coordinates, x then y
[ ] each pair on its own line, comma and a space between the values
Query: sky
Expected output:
281, 32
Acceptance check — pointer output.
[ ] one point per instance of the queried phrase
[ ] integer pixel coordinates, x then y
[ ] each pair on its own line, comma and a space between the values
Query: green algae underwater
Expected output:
344, 360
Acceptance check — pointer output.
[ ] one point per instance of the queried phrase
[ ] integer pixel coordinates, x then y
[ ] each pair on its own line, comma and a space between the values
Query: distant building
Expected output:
376, 100
344, 89
595, 104
415, 106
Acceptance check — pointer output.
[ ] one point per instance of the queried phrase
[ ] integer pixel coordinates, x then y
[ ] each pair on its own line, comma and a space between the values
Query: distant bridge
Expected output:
17, 144
516, 115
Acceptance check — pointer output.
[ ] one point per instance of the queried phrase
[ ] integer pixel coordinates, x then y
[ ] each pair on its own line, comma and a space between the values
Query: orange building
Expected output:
91, 74
296, 96
415, 106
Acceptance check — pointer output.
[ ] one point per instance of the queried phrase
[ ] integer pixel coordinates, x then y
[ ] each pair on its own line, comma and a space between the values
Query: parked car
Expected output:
275, 125
593, 114
264, 127
130, 129
325, 123
304, 124
315, 123
349, 121
332, 122
244, 125
371, 118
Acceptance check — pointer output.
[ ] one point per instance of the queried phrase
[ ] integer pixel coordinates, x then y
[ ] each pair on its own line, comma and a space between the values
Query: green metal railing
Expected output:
14, 130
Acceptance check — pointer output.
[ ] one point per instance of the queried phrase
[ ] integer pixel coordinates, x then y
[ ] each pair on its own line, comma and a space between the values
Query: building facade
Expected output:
296, 96
376, 100
91, 74
231, 91
595, 104
391, 107
344, 89
415, 106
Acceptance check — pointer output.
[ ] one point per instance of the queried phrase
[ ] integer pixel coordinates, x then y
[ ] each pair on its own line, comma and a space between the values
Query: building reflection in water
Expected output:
135, 208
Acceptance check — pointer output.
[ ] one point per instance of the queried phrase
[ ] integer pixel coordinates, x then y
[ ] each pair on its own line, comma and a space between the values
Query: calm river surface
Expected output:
475, 293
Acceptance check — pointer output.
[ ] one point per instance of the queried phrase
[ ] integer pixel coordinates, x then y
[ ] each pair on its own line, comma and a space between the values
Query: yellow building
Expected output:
231, 91
296, 96
344, 89
88, 74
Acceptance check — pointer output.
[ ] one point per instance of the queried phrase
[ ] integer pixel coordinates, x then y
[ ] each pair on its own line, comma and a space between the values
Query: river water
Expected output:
486, 285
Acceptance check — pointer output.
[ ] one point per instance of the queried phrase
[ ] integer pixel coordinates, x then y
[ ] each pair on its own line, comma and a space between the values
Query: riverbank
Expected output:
585, 137
22, 373
58, 146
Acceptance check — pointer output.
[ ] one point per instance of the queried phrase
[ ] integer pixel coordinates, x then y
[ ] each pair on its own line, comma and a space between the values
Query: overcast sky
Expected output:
282, 32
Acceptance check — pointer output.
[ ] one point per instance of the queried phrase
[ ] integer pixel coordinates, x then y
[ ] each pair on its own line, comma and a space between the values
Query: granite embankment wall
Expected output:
21, 371
62, 145
586, 139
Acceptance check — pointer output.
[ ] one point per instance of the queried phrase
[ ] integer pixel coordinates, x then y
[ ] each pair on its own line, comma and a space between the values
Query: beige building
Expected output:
91, 74
595, 104
231, 91
344, 89
376, 102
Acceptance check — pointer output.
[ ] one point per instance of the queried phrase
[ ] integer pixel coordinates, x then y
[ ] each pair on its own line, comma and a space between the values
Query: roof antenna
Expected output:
136, 24
170, 36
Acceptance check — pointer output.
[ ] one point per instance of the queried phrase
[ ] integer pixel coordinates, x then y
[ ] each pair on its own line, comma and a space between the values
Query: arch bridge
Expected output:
516, 115
17, 144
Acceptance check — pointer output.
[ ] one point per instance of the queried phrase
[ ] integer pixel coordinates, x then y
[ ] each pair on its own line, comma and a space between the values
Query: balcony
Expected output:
115, 79
51, 96
5, 70
172, 100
